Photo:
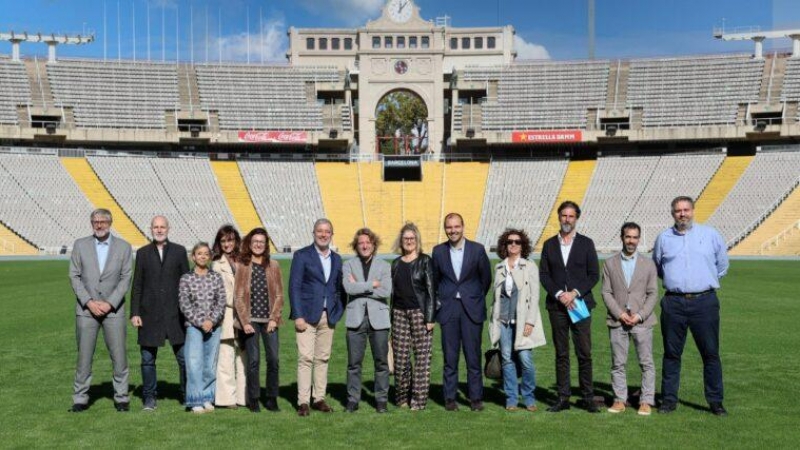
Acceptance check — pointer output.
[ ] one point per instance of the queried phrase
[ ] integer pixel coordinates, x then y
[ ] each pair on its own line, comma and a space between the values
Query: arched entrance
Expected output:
401, 124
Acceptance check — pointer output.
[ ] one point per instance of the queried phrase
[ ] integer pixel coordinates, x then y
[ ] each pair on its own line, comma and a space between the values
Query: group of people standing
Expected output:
217, 315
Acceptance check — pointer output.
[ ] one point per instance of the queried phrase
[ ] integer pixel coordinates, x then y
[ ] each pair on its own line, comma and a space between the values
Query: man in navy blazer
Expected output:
462, 275
316, 297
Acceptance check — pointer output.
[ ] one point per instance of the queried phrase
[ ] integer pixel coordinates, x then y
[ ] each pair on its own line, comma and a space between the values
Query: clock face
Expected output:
401, 67
400, 10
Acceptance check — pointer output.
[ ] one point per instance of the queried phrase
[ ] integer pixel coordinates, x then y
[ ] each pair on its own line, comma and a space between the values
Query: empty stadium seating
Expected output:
693, 91
262, 97
14, 90
115, 94
790, 91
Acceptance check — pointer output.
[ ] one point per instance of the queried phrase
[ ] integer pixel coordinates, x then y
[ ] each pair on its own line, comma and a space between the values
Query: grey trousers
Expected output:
114, 334
356, 347
643, 342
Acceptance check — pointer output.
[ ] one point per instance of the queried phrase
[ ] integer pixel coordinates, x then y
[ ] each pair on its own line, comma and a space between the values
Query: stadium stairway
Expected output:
233, 188
422, 204
720, 185
785, 216
11, 244
464, 189
573, 187
341, 199
97, 194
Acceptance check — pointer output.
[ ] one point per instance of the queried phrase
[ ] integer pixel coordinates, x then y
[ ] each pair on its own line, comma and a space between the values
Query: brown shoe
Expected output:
321, 406
511, 408
617, 407
450, 405
532, 408
644, 409
303, 410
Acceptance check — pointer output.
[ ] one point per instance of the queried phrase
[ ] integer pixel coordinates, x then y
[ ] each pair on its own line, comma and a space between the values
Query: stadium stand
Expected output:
137, 188
464, 185
115, 94
340, 191
519, 194
97, 194
422, 205
12, 244
720, 185
790, 91
774, 235
763, 186
41, 201
262, 97
543, 95
287, 197
230, 181
572, 187
693, 91
383, 202
14, 90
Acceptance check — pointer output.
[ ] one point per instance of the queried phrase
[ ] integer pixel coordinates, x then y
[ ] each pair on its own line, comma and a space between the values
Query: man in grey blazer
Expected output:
630, 292
100, 274
368, 283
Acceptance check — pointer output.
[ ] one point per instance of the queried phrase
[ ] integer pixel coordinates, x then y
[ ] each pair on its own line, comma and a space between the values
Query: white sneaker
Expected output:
208, 406
198, 410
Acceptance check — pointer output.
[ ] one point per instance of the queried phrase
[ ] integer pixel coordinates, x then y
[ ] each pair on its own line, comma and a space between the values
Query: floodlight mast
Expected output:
758, 36
52, 40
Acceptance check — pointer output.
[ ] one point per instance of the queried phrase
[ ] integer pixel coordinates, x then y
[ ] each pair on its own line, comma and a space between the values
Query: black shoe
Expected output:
667, 408
476, 405
351, 406
253, 405
271, 404
559, 406
381, 407
450, 405
591, 406
717, 409
122, 406
149, 404
78, 407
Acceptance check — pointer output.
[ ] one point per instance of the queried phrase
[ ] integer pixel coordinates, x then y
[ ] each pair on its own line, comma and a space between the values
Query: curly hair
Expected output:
502, 243
224, 231
376, 241
397, 247
246, 255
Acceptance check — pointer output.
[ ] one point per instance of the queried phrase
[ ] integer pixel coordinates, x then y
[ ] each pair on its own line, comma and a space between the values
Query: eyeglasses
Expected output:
514, 242
100, 222
409, 238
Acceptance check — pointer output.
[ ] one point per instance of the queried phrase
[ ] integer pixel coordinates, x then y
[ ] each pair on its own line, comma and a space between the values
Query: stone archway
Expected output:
401, 123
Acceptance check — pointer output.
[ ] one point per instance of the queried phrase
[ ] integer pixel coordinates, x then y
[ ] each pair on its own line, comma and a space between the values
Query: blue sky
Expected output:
554, 29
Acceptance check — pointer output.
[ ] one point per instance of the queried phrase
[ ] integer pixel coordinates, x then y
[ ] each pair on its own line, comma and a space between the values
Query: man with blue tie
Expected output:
316, 296
462, 276
691, 259
100, 272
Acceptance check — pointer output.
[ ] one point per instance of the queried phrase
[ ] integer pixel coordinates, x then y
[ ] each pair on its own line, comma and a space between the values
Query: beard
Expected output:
683, 226
629, 249
567, 228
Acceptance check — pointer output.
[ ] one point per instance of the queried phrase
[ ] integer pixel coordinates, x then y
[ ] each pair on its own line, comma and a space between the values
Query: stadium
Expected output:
500, 140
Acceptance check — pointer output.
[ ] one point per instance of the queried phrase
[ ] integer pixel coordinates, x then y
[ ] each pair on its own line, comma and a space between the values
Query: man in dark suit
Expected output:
154, 305
100, 273
316, 296
568, 271
462, 275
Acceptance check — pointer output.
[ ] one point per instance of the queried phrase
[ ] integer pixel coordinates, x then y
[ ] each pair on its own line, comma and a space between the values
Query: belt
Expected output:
689, 295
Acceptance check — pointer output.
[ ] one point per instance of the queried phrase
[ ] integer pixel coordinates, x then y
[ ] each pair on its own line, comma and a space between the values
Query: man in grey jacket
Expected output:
100, 273
630, 292
367, 281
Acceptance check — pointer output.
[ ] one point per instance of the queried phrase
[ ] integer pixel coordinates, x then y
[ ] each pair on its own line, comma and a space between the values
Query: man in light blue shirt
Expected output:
691, 259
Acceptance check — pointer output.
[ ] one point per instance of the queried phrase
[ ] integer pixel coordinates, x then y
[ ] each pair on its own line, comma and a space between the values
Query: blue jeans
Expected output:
510, 385
149, 379
201, 365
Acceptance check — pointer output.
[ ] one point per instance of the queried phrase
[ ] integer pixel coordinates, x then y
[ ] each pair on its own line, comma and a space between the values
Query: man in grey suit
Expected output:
100, 274
367, 281
630, 292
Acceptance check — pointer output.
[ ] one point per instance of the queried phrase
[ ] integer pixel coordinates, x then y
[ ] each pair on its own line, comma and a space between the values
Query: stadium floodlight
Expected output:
51, 40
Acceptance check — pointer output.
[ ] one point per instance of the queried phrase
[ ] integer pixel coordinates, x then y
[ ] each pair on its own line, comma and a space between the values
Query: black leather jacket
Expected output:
422, 279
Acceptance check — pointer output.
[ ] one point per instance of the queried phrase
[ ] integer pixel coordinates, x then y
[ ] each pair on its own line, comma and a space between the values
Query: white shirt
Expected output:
509, 279
566, 248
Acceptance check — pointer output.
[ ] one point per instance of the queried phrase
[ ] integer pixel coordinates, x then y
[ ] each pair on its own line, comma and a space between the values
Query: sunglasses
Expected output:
514, 242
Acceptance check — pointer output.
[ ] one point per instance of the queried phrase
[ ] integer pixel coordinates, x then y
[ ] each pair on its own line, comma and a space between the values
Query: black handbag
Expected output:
493, 368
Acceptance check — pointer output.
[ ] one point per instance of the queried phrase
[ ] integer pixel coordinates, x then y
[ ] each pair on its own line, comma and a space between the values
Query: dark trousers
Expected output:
149, 378
251, 345
582, 340
461, 332
356, 347
701, 316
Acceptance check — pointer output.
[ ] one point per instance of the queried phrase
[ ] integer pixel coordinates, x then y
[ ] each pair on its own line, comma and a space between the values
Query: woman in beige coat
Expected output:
516, 321
231, 361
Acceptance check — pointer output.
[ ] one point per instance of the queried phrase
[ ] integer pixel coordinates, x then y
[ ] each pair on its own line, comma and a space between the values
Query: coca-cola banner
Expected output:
547, 136
279, 137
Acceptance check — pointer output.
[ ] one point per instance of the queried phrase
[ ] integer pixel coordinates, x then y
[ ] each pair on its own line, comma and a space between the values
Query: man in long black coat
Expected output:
154, 305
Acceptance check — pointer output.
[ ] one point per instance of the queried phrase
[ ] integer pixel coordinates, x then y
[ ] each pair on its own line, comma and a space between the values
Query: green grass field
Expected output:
760, 342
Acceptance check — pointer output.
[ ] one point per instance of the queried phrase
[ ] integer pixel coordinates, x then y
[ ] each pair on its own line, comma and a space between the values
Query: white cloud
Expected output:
275, 44
349, 12
529, 50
